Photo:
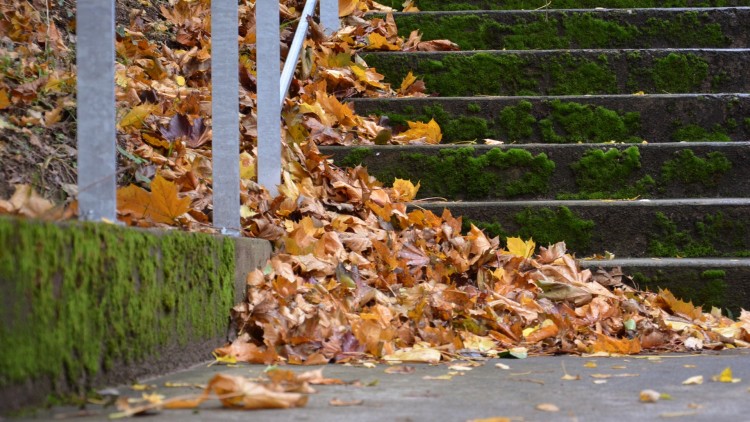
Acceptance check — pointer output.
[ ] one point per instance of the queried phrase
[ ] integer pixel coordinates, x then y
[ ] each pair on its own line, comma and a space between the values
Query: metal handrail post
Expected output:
96, 134
268, 58
225, 111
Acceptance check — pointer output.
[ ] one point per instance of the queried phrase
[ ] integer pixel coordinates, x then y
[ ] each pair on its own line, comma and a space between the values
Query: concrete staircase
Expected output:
624, 131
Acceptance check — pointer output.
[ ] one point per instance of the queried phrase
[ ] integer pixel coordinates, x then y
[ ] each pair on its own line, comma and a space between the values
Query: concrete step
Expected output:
559, 4
574, 72
573, 171
598, 28
573, 119
710, 282
643, 228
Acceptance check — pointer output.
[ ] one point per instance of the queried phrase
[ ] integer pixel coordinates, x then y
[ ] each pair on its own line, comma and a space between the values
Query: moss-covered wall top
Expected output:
80, 298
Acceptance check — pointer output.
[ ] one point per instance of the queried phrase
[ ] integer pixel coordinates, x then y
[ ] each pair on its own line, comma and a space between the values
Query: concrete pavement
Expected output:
608, 390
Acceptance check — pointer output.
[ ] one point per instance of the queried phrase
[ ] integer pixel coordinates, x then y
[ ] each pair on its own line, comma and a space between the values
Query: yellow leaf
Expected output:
180, 80
409, 79
161, 205
405, 189
726, 376
428, 133
247, 166
518, 247
376, 41
136, 116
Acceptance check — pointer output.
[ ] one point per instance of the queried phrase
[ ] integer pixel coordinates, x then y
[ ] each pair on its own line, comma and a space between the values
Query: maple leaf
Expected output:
428, 133
404, 190
161, 205
376, 41
519, 247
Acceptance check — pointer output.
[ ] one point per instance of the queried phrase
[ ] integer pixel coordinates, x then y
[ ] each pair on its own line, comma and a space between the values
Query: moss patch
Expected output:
566, 122
545, 226
689, 168
695, 133
604, 174
706, 289
713, 235
83, 297
560, 4
678, 73
356, 157
462, 174
571, 122
581, 30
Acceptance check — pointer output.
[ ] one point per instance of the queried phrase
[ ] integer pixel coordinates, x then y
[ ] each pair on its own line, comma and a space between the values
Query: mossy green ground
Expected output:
546, 226
466, 174
457, 75
563, 122
559, 31
713, 235
560, 4
81, 298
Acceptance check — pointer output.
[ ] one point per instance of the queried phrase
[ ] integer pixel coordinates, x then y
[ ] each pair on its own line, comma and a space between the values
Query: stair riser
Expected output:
579, 72
559, 4
640, 28
575, 119
627, 229
723, 286
560, 171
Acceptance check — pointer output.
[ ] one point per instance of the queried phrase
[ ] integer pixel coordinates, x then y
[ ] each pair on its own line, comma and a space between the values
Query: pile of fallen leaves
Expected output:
356, 275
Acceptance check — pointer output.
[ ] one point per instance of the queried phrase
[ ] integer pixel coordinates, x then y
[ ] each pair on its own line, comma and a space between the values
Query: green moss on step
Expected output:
79, 299
707, 289
695, 133
679, 73
609, 174
559, 4
573, 122
713, 235
689, 168
356, 157
517, 122
545, 226
688, 30
461, 174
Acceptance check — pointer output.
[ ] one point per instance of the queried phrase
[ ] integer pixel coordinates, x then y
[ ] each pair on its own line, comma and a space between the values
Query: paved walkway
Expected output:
608, 390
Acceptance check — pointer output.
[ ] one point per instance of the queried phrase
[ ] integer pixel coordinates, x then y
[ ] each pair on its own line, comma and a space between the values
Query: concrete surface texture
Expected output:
601, 389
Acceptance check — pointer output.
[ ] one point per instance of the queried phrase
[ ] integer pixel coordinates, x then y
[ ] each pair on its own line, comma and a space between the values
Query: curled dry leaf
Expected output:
547, 407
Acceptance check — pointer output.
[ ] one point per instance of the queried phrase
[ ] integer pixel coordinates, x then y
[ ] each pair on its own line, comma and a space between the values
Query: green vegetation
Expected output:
559, 4
545, 226
689, 168
461, 174
588, 124
695, 133
517, 122
356, 157
559, 31
609, 174
567, 122
713, 235
678, 73
706, 289
95, 295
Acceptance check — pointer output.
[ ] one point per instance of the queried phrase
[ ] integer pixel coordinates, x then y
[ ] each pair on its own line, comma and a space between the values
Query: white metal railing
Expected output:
96, 102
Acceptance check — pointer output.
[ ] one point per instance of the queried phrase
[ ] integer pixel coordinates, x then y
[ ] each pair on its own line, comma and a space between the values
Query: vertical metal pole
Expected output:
95, 61
268, 58
329, 15
225, 111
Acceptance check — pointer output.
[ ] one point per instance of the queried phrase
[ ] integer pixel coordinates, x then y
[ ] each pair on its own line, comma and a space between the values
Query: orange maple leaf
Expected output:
161, 205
